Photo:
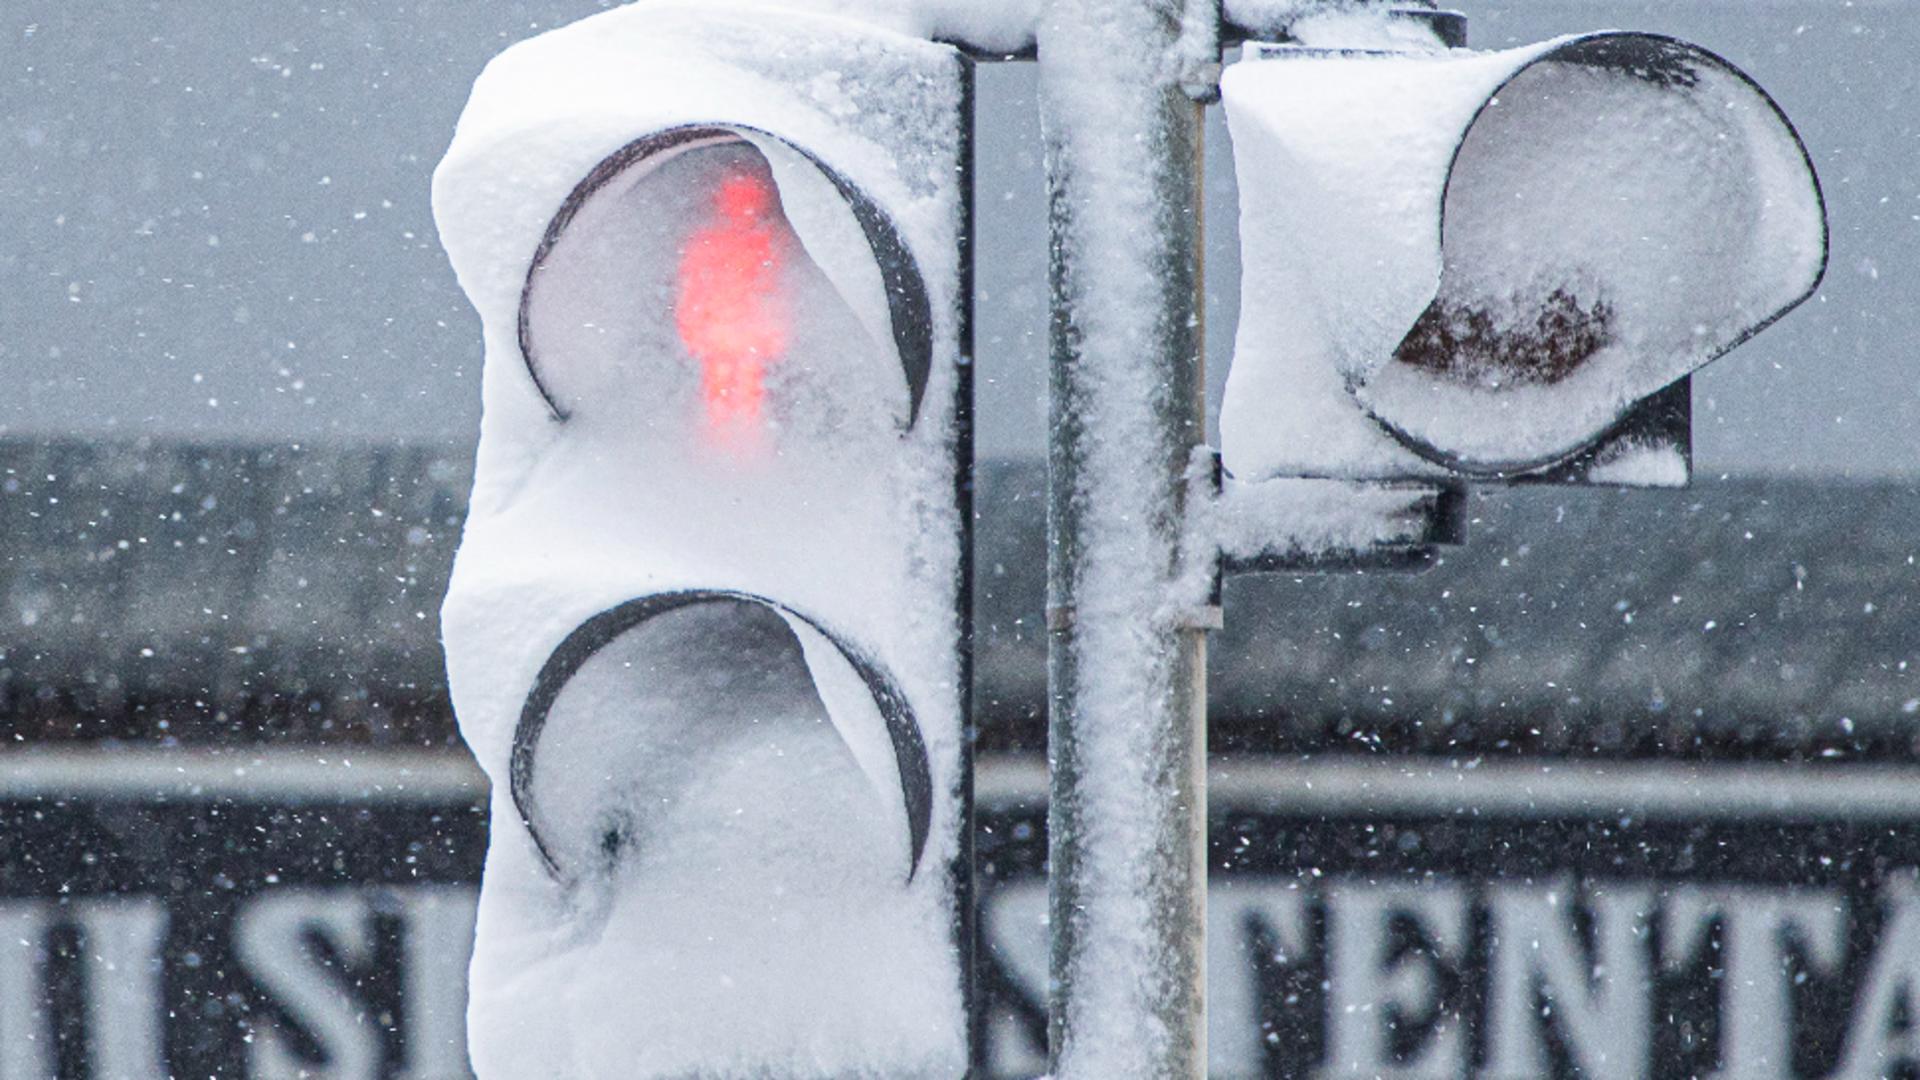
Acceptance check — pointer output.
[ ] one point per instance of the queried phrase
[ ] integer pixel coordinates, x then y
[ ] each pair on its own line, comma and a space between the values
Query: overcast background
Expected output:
214, 223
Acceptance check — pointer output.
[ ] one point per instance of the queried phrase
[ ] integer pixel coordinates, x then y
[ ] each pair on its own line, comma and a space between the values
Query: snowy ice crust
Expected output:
1675, 201
737, 902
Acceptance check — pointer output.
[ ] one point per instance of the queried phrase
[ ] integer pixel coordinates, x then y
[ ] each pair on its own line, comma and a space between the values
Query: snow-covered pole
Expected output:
1127, 654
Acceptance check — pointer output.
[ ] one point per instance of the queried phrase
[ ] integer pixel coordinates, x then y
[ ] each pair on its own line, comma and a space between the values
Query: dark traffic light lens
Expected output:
1522, 338
651, 714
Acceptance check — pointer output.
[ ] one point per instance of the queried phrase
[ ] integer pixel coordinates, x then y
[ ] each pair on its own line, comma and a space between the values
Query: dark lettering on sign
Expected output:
1511, 949
233, 940
1454, 938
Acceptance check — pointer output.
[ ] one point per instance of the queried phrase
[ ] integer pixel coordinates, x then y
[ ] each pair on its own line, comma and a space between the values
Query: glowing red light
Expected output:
731, 313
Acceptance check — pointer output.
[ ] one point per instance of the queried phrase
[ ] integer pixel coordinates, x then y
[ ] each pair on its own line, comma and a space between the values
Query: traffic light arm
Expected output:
1304, 525
1310, 524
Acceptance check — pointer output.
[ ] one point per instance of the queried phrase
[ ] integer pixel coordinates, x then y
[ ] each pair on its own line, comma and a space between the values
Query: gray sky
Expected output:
217, 223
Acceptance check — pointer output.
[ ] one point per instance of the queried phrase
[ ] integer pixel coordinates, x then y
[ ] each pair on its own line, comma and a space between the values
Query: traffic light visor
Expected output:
1521, 247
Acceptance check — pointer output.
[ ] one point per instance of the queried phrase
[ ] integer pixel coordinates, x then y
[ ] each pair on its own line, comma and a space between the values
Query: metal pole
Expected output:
1126, 662
966, 869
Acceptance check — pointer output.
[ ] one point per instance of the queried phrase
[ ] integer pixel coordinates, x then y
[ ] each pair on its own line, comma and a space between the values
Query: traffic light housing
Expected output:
703, 631
1506, 265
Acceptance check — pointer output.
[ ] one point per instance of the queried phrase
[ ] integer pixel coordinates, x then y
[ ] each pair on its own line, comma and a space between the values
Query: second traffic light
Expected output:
703, 630
1502, 265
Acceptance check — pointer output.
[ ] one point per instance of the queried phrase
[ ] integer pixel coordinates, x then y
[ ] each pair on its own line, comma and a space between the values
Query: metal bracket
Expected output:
1207, 616
1204, 84
1300, 525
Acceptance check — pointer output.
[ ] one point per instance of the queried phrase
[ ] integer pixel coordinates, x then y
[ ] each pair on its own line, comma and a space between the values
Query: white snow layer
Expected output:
1495, 255
988, 25
736, 901
1634, 463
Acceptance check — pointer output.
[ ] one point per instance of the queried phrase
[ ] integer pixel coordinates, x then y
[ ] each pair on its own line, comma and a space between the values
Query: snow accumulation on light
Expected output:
722, 882
1633, 463
654, 425
1496, 255
986, 25
1331, 24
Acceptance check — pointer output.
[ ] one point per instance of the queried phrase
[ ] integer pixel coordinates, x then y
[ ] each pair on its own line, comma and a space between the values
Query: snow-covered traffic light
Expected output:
1502, 265
703, 628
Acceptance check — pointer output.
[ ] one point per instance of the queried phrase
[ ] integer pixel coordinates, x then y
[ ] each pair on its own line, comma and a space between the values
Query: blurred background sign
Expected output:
237, 913
1669, 736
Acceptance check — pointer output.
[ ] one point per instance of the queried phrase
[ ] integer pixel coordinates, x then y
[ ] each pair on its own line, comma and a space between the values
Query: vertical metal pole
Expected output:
1126, 665
966, 868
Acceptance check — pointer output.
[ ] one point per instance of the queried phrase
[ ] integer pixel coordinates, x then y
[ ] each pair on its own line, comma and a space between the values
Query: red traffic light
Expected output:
731, 311
726, 280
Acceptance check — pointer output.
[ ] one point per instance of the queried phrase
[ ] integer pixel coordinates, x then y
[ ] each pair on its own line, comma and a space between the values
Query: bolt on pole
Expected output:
1126, 663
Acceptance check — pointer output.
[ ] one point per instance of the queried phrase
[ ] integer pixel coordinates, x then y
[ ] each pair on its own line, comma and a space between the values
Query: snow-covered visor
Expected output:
1502, 254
